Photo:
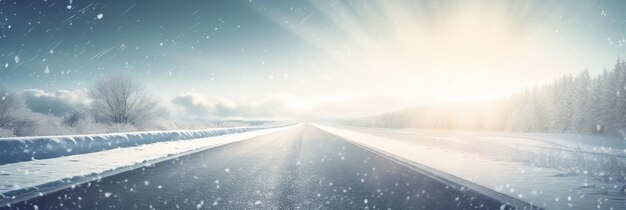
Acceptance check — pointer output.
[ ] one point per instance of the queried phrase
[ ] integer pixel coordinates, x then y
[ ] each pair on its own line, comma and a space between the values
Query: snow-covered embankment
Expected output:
27, 179
19, 149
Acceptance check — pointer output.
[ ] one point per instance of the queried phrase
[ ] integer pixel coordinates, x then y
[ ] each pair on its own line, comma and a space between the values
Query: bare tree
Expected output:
9, 104
119, 99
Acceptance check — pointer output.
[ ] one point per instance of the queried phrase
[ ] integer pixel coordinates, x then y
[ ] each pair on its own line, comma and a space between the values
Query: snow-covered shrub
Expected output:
17, 120
603, 166
85, 124
28, 123
71, 119
6, 132
10, 103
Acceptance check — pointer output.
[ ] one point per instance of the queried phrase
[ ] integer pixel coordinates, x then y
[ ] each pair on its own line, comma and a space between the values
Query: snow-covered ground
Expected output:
17, 149
552, 171
21, 178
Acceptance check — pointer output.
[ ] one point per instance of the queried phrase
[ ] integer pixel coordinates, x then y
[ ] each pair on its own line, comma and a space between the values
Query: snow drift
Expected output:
17, 149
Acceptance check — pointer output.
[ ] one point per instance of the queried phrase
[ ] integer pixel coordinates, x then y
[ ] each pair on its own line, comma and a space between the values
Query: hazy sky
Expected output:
230, 58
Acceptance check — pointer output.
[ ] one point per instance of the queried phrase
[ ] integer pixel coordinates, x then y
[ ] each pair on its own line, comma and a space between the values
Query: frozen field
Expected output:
548, 170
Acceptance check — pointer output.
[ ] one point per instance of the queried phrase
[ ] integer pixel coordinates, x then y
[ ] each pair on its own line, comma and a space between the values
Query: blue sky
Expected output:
305, 59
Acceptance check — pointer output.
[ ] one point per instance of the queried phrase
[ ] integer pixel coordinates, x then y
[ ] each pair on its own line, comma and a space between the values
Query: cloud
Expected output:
283, 106
56, 103
198, 105
359, 106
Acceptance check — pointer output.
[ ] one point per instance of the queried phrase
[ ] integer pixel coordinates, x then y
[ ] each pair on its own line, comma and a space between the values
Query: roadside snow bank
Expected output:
23, 179
17, 149
547, 188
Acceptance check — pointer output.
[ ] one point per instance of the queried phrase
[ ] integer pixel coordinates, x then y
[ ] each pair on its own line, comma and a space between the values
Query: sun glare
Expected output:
464, 51
460, 53
471, 40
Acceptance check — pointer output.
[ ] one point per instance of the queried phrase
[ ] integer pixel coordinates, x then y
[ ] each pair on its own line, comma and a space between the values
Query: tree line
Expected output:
572, 103
118, 103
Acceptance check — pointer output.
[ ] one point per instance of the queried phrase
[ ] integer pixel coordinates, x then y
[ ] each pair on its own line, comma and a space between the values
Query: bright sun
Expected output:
459, 54
463, 53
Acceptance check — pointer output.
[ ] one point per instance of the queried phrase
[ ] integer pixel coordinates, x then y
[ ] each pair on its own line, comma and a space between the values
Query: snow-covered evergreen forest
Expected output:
573, 103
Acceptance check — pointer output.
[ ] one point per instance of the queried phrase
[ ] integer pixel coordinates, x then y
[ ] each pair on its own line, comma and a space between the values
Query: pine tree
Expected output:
581, 116
620, 106
599, 112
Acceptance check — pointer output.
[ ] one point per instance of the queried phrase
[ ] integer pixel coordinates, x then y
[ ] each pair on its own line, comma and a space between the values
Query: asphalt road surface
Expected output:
298, 168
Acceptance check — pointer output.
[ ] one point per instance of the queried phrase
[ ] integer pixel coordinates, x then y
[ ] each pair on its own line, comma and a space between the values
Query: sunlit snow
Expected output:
439, 152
